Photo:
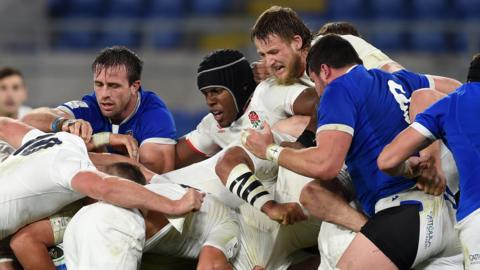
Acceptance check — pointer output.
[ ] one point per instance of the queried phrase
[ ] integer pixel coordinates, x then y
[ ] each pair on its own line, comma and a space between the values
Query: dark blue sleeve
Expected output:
158, 126
411, 81
337, 110
85, 109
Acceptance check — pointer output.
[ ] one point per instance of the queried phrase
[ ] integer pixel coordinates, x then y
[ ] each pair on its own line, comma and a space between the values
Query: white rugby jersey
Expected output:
35, 181
270, 102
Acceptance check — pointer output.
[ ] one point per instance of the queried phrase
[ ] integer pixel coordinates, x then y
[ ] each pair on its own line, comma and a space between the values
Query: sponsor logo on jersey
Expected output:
255, 119
474, 258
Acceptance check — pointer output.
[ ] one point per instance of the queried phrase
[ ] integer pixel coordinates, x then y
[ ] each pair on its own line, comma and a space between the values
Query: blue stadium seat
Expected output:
467, 9
166, 39
389, 9
431, 9
125, 8
345, 10
128, 38
434, 42
388, 41
459, 42
166, 8
74, 40
84, 8
209, 7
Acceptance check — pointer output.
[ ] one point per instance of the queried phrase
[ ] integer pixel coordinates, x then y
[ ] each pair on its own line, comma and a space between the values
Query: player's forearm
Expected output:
308, 162
127, 194
41, 118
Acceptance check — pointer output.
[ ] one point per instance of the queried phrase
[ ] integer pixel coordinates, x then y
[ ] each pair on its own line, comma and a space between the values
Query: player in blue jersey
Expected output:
454, 120
117, 105
360, 112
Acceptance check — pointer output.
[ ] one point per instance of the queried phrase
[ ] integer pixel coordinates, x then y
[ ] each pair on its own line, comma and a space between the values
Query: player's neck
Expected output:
129, 110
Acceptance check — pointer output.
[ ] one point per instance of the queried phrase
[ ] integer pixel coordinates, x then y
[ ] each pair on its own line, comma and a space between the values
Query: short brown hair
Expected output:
283, 22
339, 28
9, 71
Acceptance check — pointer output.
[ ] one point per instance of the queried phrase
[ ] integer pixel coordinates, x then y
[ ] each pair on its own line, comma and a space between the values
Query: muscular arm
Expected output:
42, 118
12, 131
125, 193
321, 162
306, 102
160, 158
400, 149
444, 84
186, 155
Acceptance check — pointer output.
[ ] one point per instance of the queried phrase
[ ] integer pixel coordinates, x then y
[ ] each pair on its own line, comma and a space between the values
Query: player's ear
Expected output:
297, 42
135, 86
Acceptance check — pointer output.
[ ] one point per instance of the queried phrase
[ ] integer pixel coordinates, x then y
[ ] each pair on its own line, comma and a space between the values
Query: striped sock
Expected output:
242, 182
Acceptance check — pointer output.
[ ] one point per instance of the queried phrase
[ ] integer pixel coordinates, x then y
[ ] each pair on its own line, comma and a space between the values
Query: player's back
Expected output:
378, 105
35, 179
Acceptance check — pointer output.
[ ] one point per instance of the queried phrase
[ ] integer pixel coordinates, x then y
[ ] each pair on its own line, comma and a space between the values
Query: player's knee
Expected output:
309, 193
230, 159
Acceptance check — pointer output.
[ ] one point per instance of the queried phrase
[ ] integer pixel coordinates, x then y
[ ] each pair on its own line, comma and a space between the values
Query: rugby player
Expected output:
351, 127
49, 171
451, 119
117, 105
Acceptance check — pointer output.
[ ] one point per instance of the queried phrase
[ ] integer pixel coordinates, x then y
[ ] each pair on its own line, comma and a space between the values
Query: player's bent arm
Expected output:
408, 142
125, 193
42, 118
12, 131
186, 155
306, 102
321, 162
105, 159
444, 84
160, 158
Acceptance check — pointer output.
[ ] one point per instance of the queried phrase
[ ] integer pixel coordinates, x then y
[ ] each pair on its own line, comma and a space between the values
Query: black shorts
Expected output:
395, 231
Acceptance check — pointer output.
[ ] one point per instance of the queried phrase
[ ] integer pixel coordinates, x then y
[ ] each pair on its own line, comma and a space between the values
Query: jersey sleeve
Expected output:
413, 81
201, 140
337, 110
69, 162
291, 95
79, 109
159, 127
430, 122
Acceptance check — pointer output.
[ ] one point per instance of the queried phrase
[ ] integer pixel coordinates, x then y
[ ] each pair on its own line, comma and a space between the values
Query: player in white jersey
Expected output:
104, 236
66, 175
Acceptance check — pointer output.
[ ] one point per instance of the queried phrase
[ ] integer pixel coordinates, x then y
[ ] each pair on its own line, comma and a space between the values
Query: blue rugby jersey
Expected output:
455, 120
372, 106
150, 122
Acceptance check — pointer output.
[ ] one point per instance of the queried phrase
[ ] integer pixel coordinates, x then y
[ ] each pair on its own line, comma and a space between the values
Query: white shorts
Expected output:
104, 236
266, 243
469, 232
213, 225
437, 239
60, 220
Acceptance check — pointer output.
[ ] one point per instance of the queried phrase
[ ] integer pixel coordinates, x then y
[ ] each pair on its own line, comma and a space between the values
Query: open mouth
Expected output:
218, 115
107, 106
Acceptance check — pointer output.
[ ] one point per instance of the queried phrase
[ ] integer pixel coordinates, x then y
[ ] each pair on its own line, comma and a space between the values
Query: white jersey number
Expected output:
402, 100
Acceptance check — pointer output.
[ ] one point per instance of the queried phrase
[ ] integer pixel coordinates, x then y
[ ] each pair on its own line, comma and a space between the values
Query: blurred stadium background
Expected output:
54, 42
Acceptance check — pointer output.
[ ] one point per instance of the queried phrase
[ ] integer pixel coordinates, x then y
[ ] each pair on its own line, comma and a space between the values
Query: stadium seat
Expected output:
346, 10
128, 38
125, 8
389, 41
166, 39
431, 9
84, 8
467, 9
166, 8
209, 7
389, 9
434, 42
77, 40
